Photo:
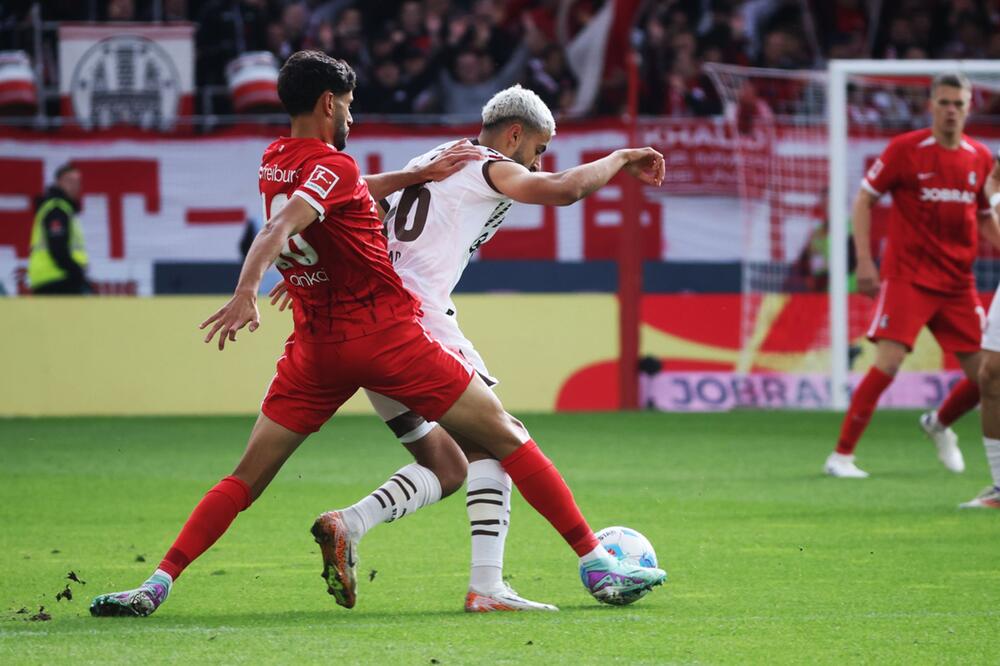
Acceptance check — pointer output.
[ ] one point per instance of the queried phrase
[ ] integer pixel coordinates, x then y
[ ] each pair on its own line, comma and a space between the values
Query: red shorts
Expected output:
402, 362
903, 308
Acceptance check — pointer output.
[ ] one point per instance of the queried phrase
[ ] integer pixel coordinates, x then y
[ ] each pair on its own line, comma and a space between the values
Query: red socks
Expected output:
960, 400
209, 521
860, 412
545, 490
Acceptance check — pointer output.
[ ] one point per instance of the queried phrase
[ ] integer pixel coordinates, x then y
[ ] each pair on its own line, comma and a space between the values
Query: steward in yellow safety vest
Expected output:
58, 261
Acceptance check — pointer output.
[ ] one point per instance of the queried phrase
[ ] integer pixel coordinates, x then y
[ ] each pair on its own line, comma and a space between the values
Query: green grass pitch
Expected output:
769, 561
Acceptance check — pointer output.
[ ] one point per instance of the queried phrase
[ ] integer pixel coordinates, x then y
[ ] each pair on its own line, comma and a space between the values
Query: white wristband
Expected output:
994, 200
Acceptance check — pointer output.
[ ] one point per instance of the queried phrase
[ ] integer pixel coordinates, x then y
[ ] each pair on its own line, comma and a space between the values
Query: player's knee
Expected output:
519, 430
890, 363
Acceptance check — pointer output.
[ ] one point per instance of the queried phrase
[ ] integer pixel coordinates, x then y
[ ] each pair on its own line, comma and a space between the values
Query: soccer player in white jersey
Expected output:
433, 229
989, 378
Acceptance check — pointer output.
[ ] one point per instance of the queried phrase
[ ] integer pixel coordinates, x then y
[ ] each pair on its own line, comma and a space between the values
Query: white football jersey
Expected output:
434, 228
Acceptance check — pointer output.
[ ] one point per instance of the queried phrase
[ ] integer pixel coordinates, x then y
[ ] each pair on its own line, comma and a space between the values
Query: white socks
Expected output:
993, 457
163, 574
488, 505
409, 489
599, 553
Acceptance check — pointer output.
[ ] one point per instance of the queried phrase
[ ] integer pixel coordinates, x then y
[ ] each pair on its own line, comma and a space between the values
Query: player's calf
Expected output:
438, 452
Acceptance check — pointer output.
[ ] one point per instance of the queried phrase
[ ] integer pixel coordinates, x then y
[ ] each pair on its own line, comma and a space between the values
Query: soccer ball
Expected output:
631, 546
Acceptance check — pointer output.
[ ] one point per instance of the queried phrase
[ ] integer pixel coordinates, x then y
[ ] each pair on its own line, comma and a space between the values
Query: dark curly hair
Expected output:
308, 74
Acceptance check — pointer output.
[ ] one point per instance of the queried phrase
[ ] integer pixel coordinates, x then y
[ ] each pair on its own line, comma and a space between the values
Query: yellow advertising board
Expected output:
130, 356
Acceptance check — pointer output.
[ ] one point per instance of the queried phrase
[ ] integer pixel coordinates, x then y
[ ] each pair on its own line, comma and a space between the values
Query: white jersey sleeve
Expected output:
434, 228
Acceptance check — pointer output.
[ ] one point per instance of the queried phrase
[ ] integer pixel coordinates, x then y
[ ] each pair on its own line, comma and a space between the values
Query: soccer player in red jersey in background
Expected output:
355, 326
936, 177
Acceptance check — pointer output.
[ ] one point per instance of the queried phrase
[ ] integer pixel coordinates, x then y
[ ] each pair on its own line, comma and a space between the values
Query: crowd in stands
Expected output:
448, 56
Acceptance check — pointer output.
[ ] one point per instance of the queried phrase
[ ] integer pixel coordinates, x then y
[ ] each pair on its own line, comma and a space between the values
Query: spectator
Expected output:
294, 20
550, 77
386, 93
58, 261
471, 82
969, 39
448, 54
121, 10
412, 26
349, 42
419, 78
226, 29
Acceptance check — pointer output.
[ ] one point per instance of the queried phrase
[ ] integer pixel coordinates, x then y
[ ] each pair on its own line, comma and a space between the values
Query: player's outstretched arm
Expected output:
861, 217
571, 185
448, 162
241, 309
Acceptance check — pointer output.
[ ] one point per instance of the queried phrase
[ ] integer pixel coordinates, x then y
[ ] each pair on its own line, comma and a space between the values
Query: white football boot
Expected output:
945, 440
503, 598
843, 467
988, 499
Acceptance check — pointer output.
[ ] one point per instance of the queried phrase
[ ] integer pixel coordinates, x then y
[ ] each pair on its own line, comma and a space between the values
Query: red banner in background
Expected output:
152, 198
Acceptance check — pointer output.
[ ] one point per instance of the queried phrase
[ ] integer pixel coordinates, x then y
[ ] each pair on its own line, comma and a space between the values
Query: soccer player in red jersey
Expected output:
355, 326
936, 177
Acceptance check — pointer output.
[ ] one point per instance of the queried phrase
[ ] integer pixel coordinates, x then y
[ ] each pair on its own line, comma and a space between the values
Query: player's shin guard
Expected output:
488, 505
963, 397
209, 521
862, 406
412, 487
544, 489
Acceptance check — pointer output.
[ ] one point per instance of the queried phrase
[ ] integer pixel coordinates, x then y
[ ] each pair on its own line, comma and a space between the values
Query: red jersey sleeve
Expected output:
982, 202
883, 174
328, 182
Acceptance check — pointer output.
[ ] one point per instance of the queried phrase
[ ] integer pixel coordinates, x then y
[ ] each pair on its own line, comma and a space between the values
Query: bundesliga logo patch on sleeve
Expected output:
321, 181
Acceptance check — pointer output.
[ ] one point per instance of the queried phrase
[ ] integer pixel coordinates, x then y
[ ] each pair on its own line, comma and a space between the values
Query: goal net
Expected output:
804, 140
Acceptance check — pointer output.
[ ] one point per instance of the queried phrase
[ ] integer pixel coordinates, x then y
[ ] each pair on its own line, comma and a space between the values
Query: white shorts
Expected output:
407, 426
991, 334
444, 328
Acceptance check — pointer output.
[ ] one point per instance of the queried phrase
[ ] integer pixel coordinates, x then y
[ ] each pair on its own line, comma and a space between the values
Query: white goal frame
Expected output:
836, 107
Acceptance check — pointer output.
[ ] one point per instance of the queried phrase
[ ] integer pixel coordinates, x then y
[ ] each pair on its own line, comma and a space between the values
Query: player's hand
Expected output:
867, 277
449, 161
280, 291
231, 317
645, 164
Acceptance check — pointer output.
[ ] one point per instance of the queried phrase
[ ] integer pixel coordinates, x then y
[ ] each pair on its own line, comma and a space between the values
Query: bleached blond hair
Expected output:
517, 104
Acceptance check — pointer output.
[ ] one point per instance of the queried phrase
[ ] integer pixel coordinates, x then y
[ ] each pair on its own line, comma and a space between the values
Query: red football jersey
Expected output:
936, 194
337, 270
